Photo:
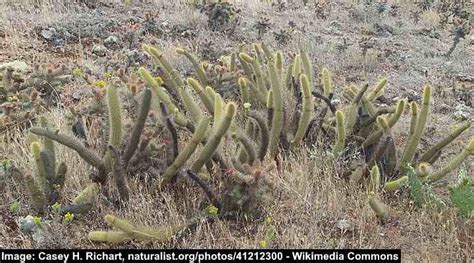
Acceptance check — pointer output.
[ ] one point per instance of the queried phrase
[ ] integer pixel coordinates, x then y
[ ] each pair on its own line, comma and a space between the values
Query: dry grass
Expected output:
312, 195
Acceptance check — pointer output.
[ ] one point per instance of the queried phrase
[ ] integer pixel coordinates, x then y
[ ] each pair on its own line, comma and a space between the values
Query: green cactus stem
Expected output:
453, 163
307, 66
257, 72
264, 133
139, 125
206, 100
341, 134
392, 120
89, 156
374, 180
351, 111
219, 107
277, 120
130, 232
115, 123
297, 66
326, 76
279, 62
377, 91
111, 237
395, 184
40, 166
306, 110
244, 90
48, 144
379, 208
248, 146
266, 50
189, 104
163, 96
414, 138
215, 138
429, 155
197, 66
118, 174
186, 153
36, 194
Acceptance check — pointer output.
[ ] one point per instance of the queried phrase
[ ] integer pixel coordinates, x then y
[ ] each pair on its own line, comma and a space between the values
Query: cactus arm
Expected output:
279, 63
392, 120
307, 66
215, 139
351, 111
428, 155
37, 196
374, 179
197, 66
341, 134
163, 96
265, 135
297, 66
266, 50
232, 62
60, 177
379, 208
115, 116
138, 127
414, 138
277, 120
112, 237
48, 144
248, 146
88, 155
256, 67
40, 166
118, 174
395, 184
453, 163
377, 91
186, 152
206, 100
306, 113
326, 76
244, 90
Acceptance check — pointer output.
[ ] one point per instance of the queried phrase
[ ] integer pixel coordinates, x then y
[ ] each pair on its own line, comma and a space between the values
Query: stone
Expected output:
111, 42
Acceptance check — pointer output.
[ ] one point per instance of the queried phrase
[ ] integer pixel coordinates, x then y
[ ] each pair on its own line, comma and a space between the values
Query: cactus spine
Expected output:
306, 113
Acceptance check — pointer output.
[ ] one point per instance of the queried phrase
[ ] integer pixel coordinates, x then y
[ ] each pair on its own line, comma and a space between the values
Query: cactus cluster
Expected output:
194, 106
25, 93
45, 187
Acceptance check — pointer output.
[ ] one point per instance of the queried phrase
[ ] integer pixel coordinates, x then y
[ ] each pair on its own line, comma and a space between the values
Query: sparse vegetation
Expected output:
239, 129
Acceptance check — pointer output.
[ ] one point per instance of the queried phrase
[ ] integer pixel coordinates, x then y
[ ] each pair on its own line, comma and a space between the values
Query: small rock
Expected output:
27, 225
99, 50
335, 102
48, 34
111, 42
344, 225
